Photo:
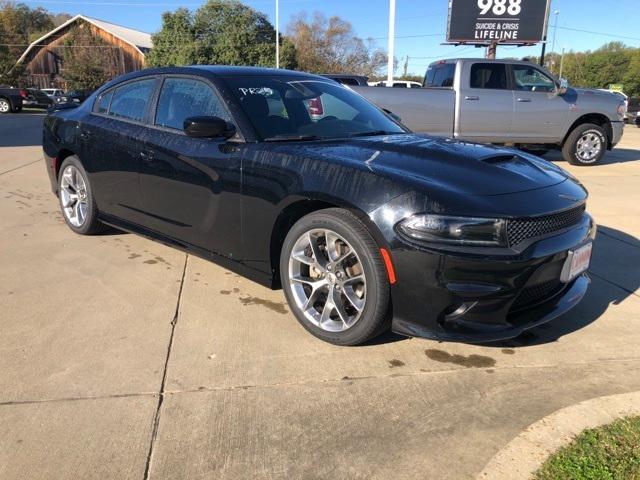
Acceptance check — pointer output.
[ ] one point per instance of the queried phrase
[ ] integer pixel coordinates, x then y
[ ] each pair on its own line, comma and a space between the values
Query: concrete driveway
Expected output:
122, 358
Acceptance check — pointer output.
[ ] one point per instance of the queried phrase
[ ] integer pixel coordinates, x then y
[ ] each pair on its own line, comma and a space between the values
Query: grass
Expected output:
610, 452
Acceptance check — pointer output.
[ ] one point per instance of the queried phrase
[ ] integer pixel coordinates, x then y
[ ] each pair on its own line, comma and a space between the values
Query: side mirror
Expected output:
208, 127
563, 87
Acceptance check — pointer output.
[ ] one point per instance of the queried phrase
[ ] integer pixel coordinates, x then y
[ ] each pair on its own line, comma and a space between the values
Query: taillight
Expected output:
315, 107
23, 93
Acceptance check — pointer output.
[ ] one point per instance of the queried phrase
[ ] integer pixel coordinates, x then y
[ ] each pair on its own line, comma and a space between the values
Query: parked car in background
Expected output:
53, 92
633, 113
10, 100
364, 224
348, 79
35, 98
74, 96
397, 84
508, 102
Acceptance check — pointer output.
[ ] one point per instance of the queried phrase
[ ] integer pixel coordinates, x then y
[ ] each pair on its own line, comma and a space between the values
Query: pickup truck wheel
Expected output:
5, 106
586, 145
76, 198
334, 278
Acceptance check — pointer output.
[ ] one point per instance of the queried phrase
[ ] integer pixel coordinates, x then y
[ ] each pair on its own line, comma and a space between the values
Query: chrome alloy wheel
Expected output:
4, 106
73, 196
589, 147
327, 280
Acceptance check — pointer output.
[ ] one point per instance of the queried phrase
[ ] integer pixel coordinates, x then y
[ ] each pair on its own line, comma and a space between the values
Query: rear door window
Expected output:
181, 98
130, 100
440, 75
491, 76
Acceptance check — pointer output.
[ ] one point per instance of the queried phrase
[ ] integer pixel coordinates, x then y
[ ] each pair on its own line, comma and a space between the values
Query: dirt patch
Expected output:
471, 361
278, 307
395, 363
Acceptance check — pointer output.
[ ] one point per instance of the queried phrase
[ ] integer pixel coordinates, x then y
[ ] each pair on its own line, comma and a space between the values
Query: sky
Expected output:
420, 24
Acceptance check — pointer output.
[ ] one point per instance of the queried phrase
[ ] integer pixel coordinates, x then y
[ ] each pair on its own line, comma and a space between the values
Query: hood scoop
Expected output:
493, 159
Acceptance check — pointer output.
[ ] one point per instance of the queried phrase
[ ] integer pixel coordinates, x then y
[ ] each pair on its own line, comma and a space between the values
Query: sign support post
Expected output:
491, 50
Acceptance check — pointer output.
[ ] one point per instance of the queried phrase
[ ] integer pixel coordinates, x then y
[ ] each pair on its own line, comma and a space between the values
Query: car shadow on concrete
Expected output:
617, 155
611, 242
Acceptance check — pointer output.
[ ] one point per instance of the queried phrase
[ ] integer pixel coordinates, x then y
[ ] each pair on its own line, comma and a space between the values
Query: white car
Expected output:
53, 92
397, 84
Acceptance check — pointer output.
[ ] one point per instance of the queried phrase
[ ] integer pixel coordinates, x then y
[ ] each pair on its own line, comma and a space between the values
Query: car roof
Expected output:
212, 70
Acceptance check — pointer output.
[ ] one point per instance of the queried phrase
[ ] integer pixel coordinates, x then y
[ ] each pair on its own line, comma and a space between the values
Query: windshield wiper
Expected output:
372, 133
292, 138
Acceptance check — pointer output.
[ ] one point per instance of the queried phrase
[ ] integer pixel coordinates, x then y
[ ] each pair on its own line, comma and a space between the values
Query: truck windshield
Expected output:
282, 109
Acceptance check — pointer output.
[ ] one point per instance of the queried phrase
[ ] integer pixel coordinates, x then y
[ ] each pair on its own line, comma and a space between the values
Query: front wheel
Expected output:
334, 278
585, 145
76, 198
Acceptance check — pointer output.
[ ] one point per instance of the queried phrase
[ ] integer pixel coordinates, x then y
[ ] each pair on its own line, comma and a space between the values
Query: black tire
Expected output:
5, 106
91, 224
570, 147
374, 318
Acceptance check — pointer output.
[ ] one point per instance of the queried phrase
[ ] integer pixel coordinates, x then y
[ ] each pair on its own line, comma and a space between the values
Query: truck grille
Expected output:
536, 294
521, 229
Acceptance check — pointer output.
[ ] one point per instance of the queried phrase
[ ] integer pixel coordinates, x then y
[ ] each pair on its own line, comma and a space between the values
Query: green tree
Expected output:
230, 33
19, 26
86, 59
174, 44
220, 32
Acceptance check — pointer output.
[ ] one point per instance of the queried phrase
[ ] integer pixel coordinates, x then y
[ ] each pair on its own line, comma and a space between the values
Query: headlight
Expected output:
622, 110
454, 230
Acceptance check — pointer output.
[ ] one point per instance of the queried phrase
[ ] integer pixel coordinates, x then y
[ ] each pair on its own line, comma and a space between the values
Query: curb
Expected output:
528, 451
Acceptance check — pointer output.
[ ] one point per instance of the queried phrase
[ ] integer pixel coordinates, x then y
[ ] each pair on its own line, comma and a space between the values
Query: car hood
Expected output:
466, 168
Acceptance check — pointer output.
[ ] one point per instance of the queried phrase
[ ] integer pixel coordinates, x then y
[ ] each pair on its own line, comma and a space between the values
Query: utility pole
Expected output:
561, 63
392, 35
491, 50
555, 30
277, 33
406, 66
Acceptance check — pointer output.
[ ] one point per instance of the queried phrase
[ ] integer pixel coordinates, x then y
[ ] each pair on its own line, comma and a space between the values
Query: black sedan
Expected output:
363, 224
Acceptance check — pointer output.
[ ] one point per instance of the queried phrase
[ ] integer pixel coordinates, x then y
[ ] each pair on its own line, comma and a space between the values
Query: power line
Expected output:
613, 35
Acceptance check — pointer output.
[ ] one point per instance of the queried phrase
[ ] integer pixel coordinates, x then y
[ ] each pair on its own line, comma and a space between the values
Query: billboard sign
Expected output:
482, 22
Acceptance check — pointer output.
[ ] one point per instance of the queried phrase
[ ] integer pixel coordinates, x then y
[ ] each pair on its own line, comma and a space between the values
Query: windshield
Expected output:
292, 109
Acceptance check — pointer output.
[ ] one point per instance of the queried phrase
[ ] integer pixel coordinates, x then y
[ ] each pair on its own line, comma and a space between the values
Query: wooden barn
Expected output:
119, 50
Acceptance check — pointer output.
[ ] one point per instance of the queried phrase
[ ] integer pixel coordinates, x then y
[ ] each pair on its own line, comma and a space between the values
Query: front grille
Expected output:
521, 229
537, 293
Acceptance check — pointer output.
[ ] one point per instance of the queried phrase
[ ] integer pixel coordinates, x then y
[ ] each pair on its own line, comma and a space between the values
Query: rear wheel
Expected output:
5, 106
585, 145
76, 198
334, 279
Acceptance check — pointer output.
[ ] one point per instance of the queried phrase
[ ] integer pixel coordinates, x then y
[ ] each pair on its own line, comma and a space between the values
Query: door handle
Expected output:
524, 100
472, 97
147, 156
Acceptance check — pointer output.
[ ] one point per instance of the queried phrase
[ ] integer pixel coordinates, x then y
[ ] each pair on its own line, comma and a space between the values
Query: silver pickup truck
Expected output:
507, 102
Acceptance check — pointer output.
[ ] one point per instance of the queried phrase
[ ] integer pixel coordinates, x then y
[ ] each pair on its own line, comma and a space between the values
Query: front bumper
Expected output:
459, 297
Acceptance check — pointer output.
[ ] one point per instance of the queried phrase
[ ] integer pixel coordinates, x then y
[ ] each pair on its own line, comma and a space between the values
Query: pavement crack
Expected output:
76, 399
156, 418
21, 166
601, 232
591, 272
